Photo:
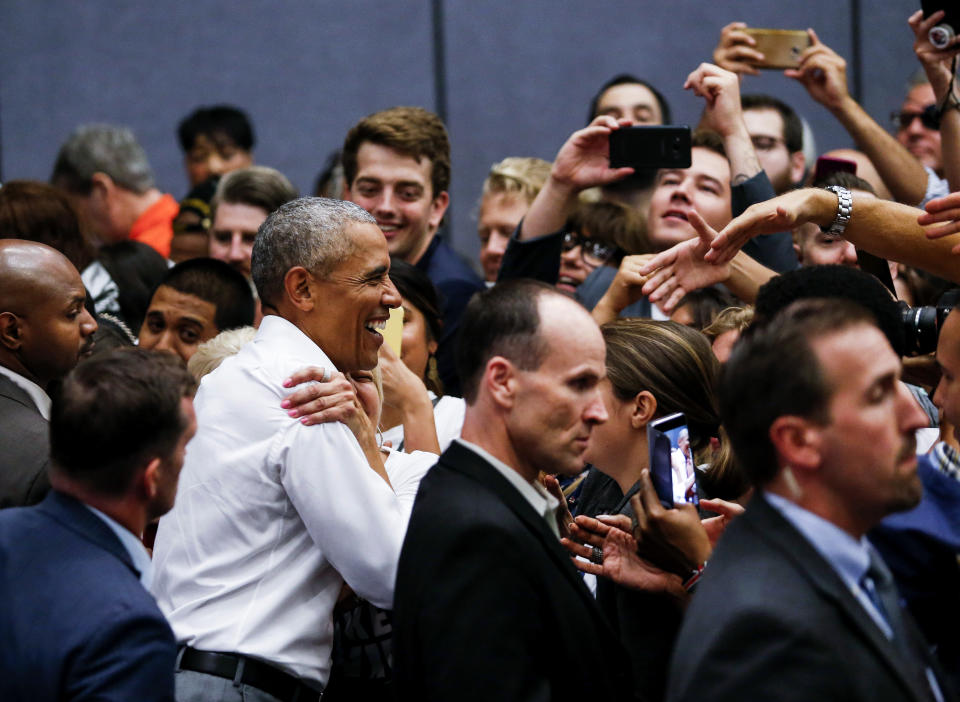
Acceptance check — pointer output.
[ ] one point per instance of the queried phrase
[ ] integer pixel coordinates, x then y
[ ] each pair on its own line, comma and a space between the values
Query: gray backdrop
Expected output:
514, 78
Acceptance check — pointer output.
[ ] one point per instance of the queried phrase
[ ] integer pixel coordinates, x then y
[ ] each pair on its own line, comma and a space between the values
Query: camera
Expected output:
921, 325
942, 34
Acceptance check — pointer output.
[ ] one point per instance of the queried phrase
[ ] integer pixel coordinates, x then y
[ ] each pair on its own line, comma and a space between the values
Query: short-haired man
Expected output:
241, 203
487, 604
275, 515
79, 622
820, 422
397, 167
777, 135
215, 140
107, 176
194, 302
44, 330
508, 191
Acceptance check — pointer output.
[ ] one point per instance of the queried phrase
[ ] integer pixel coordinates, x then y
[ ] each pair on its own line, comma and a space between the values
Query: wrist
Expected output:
560, 188
842, 107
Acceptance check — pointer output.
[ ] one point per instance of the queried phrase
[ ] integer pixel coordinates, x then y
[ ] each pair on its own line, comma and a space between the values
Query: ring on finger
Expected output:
596, 555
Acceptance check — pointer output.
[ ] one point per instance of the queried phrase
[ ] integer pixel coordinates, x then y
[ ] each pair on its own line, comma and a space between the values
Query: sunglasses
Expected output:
593, 252
929, 118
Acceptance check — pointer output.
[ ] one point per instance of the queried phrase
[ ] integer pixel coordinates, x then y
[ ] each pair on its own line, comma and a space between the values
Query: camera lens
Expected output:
941, 35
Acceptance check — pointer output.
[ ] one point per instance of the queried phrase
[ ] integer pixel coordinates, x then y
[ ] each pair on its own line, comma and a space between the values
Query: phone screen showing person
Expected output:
671, 460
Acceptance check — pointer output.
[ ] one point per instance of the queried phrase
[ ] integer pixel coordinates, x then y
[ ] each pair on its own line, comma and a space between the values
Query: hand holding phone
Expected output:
671, 460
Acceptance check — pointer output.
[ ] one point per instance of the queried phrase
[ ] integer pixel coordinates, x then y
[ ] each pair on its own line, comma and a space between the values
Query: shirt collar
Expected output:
543, 502
848, 556
40, 398
133, 545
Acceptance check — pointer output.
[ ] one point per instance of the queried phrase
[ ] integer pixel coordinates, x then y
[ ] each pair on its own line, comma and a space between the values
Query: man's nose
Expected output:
216, 164
596, 411
386, 202
497, 243
88, 325
236, 248
849, 254
166, 342
391, 296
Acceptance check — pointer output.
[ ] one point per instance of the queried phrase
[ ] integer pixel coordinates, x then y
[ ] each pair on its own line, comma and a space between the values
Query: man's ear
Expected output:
797, 441
438, 208
798, 164
150, 479
10, 331
644, 409
798, 251
500, 377
299, 288
101, 187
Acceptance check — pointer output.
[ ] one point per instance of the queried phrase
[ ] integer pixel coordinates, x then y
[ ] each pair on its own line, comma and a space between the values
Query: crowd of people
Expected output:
259, 446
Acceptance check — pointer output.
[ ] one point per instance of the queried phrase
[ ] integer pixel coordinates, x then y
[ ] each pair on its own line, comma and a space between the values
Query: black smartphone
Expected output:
671, 460
947, 28
647, 146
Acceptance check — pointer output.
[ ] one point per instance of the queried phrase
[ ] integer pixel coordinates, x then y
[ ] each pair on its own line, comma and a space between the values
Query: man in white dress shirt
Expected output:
273, 515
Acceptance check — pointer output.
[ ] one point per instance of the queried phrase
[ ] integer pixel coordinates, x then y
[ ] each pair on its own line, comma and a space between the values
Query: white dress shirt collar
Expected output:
543, 502
36, 393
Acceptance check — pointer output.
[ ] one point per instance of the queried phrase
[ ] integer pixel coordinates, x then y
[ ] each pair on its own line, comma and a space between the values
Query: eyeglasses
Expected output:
929, 118
593, 252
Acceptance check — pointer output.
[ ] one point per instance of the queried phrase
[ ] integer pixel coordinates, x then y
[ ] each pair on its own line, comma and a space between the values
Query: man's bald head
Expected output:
44, 326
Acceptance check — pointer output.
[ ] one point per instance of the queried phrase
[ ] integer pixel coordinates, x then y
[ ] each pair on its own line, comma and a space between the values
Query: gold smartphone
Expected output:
781, 47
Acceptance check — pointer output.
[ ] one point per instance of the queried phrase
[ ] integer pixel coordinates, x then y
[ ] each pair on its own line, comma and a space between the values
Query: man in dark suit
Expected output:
77, 621
487, 604
795, 603
44, 330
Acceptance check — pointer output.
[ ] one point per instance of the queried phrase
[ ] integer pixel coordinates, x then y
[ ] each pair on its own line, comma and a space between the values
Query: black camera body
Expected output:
922, 325
944, 32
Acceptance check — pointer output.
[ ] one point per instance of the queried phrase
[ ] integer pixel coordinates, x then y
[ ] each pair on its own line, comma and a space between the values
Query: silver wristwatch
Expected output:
844, 210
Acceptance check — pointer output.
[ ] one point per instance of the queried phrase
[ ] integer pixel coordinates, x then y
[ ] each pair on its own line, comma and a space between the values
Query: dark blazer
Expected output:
76, 623
771, 619
24, 448
488, 605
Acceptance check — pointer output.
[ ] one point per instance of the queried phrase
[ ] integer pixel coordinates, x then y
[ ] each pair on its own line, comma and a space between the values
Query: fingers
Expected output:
314, 396
587, 566
655, 287
706, 233
727, 509
309, 373
943, 230
946, 202
343, 412
922, 26
671, 302
651, 501
618, 521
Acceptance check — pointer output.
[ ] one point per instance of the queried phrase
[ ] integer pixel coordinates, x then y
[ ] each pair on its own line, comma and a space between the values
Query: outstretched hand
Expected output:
944, 211
775, 215
682, 269
620, 561
720, 89
735, 52
584, 159
715, 526
937, 63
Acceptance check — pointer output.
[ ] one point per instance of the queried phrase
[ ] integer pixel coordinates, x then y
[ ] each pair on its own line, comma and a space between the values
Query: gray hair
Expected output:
307, 232
102, 148
257, 186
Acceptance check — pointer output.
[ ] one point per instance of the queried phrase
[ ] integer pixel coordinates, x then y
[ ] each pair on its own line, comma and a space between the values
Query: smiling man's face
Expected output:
397, 191
705, 187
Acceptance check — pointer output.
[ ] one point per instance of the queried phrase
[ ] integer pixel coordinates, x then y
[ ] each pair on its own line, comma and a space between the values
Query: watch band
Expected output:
844, 210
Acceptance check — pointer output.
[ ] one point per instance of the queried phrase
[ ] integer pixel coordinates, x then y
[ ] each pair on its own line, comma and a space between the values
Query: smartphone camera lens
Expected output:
941, 35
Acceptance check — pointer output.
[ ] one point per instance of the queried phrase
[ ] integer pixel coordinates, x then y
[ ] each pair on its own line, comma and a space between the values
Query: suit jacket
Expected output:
771, 619
24, 448
76, 623
487, 603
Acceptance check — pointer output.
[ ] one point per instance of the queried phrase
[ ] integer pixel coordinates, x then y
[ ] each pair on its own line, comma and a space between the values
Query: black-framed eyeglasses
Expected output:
593, 252
929, 118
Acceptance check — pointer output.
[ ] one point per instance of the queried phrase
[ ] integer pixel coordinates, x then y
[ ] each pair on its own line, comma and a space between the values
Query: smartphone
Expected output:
671, 460
393, 332
649, 146
826, 166
781, 48
948, 27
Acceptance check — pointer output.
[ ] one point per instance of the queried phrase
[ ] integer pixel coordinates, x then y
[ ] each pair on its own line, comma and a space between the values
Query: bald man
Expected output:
44, 330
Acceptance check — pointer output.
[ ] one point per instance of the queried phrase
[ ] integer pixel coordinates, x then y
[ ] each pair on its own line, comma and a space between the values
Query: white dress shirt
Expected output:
40, 398
269, 515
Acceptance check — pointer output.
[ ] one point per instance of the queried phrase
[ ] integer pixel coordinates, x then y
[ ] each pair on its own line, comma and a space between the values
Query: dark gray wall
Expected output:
519, 75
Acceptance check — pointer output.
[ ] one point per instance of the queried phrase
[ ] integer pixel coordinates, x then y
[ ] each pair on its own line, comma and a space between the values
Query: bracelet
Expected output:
694, 577
844, 210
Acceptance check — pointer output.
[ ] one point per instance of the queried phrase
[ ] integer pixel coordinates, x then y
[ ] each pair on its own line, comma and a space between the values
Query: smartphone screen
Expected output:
650, 146
827, 165
671, 460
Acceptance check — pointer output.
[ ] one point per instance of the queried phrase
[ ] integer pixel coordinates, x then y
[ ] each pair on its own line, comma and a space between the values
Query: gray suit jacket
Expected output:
24, 448
771, 619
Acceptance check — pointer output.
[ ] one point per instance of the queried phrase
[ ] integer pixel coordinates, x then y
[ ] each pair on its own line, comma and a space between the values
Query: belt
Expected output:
258, 674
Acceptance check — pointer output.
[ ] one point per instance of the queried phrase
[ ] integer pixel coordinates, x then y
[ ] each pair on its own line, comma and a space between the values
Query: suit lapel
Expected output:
462, 460
773, 528
14, 392
73, 515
